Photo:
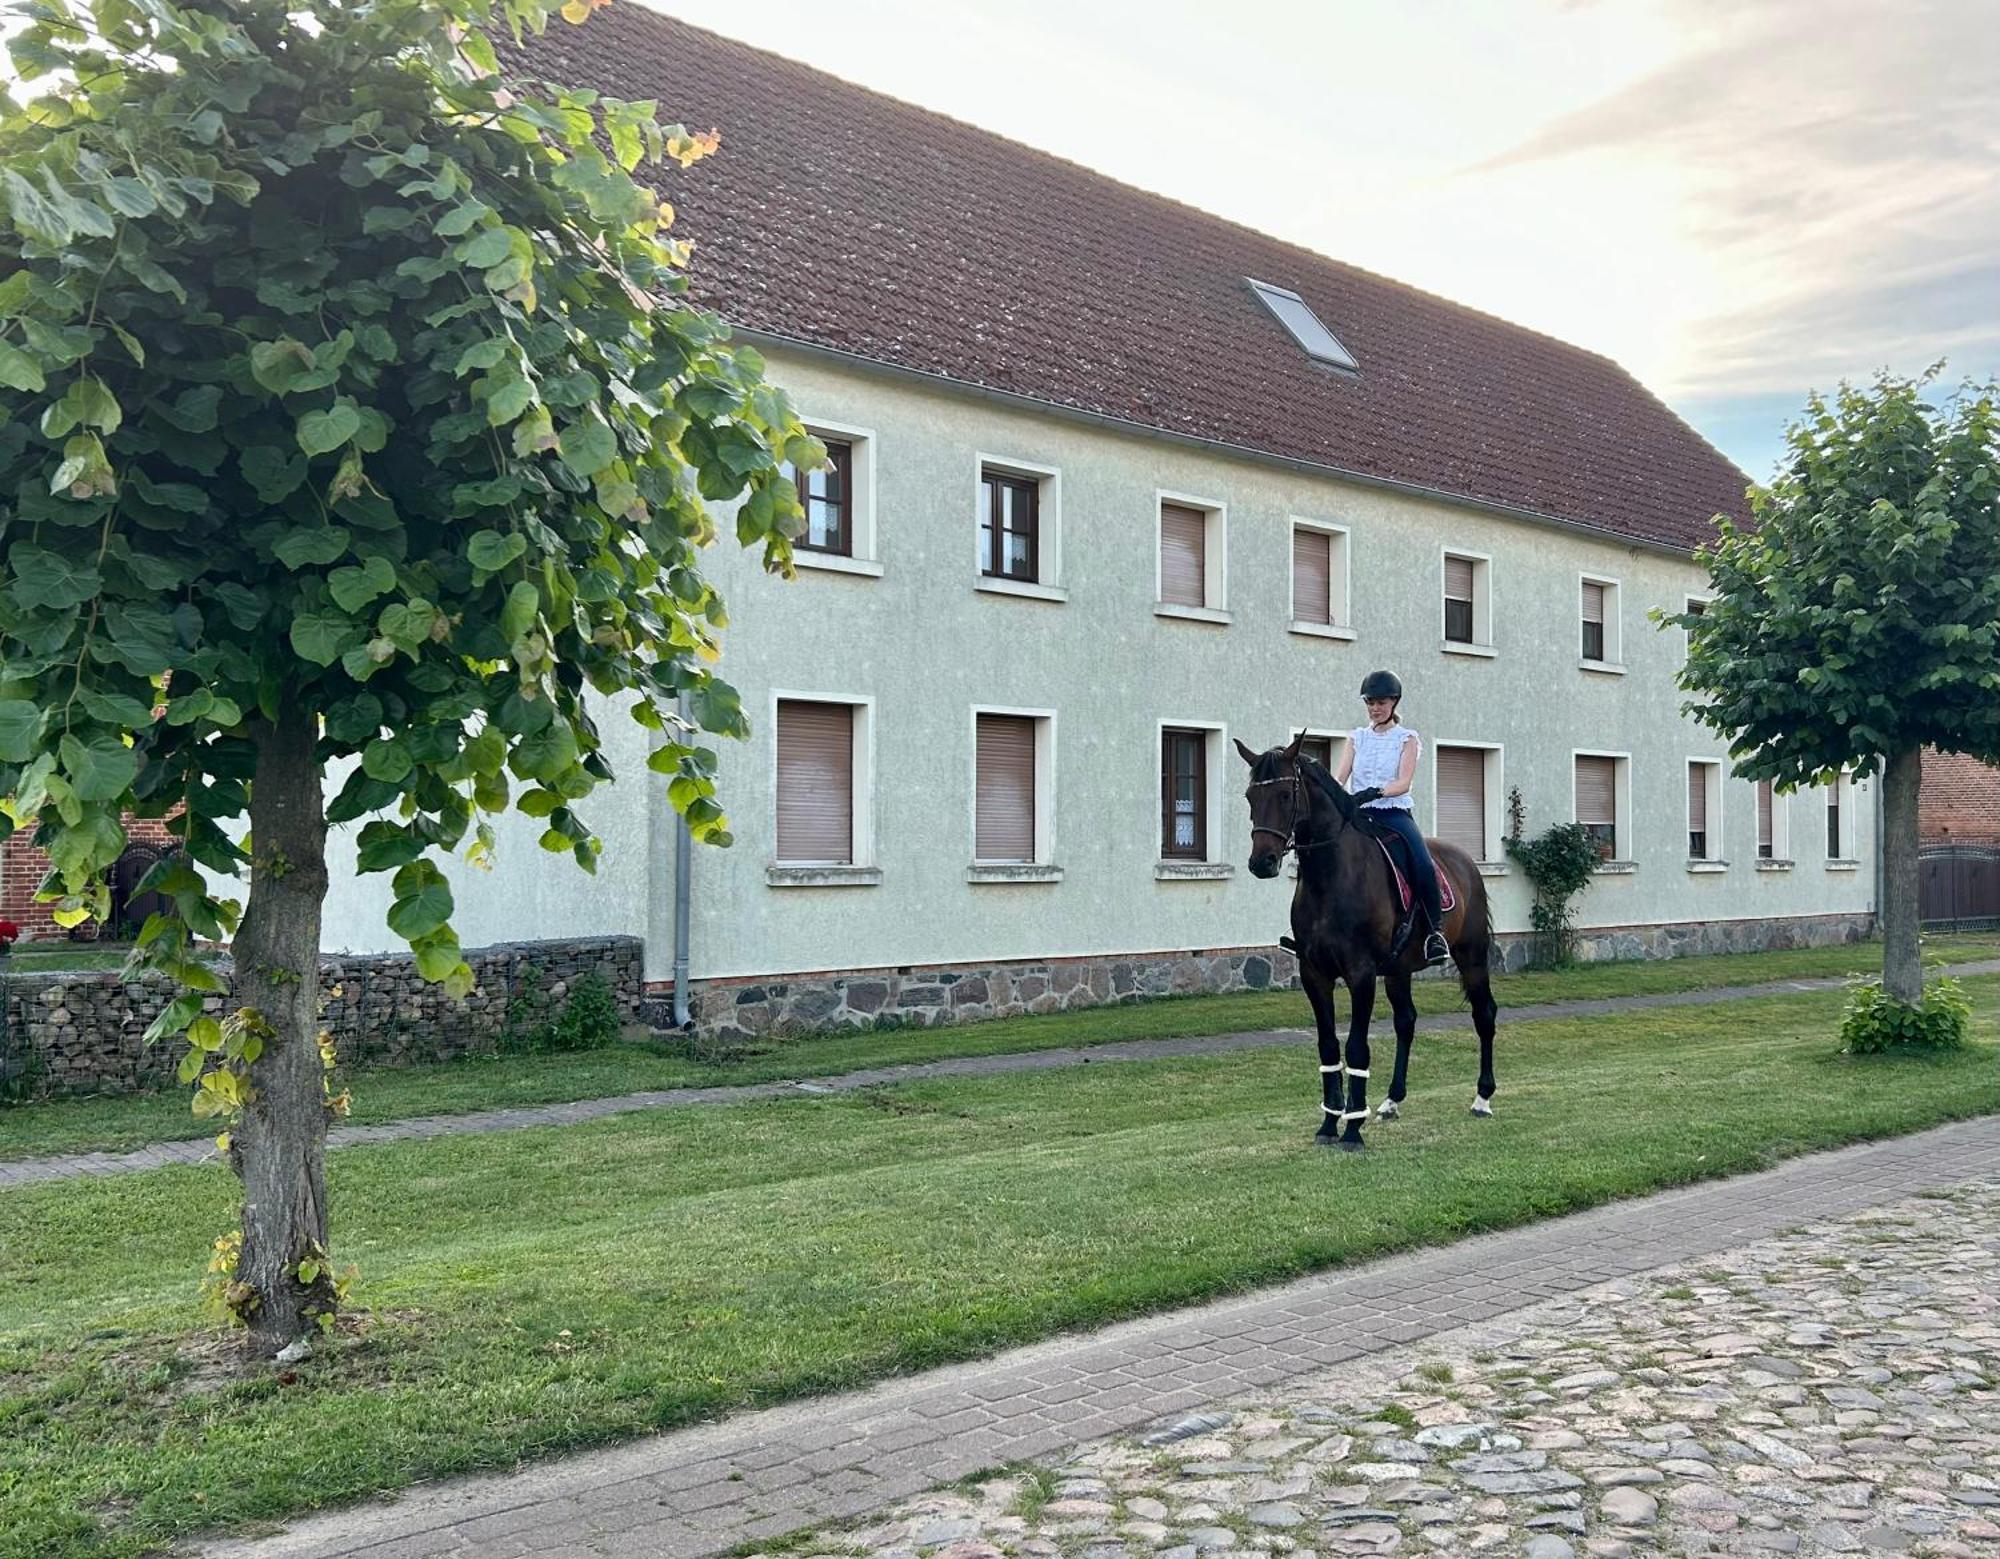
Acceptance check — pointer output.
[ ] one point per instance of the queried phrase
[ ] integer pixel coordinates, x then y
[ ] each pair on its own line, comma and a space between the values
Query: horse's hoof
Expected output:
1387, 1110
1352, 1145
1483, 1108
1326, 1139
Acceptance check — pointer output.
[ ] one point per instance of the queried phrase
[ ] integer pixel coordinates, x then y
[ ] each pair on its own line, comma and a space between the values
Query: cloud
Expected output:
1839, 162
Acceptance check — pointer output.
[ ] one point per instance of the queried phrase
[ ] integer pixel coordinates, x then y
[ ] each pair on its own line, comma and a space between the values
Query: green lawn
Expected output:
543, 1290
111, 1124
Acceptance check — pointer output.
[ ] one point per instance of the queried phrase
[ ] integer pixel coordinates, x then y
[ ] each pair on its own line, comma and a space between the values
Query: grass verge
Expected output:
544, 1290
119, 1122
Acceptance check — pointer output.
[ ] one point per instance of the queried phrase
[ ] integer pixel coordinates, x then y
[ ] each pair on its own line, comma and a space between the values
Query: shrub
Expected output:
1875, 1021
1559, 864
587, 1019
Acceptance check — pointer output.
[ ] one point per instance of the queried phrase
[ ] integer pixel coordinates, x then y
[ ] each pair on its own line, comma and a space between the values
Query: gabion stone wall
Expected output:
80, 1031
932, 996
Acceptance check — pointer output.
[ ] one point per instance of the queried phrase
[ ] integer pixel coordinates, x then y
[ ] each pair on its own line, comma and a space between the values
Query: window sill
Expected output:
1614, 868
1604, 668
1700, 868
1493, 868
1774, 866
1013, 871
822, 876
1027, 589
1321, 630
1843, 866
835, 563
1453, 647
1193, 614
1192, 871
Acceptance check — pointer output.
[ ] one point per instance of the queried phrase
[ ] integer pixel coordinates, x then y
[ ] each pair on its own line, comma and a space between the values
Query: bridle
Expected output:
1288, 838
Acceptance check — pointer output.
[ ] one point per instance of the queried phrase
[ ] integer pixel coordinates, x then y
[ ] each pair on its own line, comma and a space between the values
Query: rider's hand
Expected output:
1361, 798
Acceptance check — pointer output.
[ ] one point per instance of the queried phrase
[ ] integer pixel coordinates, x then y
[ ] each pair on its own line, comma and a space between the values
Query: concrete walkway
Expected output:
35, 1171
699, 1492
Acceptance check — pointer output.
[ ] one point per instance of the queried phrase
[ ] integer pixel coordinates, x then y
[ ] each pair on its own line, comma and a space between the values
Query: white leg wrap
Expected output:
1327, 1109
1355, 1071
1329, 1069
1352, 1115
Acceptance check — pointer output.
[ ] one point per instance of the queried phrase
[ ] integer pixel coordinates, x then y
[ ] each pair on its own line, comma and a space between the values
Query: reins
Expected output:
1288, 839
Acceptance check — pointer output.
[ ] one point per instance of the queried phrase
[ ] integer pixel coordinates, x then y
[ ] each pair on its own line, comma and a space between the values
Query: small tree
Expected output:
1559, 864
1856, 620
351, 413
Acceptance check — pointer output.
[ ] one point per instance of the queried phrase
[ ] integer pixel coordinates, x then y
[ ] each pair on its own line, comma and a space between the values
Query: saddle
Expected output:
1447, 898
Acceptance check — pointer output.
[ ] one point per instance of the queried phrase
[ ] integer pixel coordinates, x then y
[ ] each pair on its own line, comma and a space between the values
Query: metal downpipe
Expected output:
683, 898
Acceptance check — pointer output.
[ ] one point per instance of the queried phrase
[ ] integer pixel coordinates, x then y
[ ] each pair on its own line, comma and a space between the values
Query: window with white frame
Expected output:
839, 502
1467, 792
1468, 602
1323, 747
1601, 800
1013, 787
1320, 579
1773, 824
1018, 524
1192, 558
1600, 622
1840, 818
1189, 810
821, 783
1704, 810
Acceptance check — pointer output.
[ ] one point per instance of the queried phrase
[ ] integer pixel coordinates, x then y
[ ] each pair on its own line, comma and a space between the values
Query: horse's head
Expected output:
1282, 784
1278, 803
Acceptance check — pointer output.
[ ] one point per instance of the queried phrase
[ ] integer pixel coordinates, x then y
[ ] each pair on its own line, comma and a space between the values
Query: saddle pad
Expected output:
1447, 899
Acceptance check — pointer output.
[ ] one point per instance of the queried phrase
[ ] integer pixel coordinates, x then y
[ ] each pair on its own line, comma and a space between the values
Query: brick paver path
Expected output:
701, 1491
32, 1171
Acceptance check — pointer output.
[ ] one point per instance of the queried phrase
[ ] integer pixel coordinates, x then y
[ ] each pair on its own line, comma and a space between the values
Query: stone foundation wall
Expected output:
80, 1032
933, 996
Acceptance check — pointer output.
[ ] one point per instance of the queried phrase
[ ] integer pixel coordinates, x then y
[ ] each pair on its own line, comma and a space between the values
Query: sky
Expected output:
1738, 200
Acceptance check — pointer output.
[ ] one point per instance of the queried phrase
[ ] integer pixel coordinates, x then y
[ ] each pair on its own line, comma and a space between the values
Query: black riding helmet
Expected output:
1381, 684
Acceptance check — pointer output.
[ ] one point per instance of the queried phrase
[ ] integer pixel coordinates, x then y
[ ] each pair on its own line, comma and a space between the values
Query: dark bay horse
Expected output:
1344, 919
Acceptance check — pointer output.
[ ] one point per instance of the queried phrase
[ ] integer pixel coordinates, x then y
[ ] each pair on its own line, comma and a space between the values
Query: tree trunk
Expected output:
278, 1144
1902, 968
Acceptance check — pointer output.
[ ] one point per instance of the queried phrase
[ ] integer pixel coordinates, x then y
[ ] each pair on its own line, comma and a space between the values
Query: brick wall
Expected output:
22, 868
1960, 800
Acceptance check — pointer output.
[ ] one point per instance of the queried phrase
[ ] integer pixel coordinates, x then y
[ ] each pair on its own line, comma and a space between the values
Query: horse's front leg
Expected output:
1319, 991
1362, 999
1405, 1008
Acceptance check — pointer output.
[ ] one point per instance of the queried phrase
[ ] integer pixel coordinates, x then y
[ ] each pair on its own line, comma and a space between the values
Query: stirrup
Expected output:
1436, 949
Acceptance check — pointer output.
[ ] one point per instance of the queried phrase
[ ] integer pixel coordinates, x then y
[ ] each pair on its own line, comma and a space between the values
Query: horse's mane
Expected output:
1267, 768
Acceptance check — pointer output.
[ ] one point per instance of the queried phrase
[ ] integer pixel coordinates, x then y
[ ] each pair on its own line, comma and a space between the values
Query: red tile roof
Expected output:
841, 218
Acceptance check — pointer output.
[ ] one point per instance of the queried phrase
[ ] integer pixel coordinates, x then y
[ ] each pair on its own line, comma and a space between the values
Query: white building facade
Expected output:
992, 766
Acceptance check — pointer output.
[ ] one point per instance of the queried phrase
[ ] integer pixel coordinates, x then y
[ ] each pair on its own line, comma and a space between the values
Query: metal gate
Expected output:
1958, 886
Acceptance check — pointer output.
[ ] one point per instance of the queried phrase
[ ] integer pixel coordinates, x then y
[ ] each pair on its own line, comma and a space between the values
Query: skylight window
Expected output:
1320, 344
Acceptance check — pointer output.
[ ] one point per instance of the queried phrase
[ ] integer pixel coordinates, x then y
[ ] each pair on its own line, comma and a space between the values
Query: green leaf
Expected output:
425, 907
18, 371
490, 551
487, 247
437, 959
20, 725
315, 544
117, 709
322, 432
274, 473
353, 588
545, 754
321, 636
48, 579
509, 401
86, 403
524, 604
386, 846
99, 770
588, 447
387, 759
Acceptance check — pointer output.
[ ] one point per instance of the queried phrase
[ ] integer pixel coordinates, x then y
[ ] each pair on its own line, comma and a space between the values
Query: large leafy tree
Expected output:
1857, 618
354, 427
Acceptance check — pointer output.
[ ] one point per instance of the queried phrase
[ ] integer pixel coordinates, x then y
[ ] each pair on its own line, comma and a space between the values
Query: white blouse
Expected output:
1378, 760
